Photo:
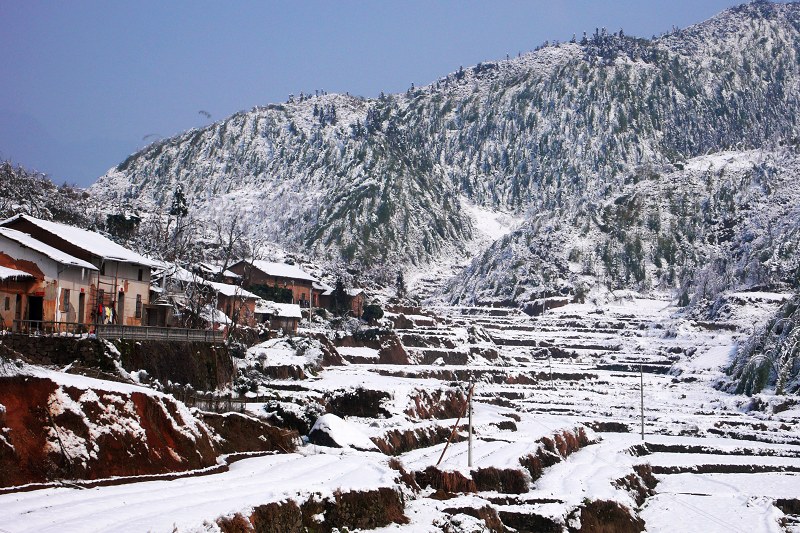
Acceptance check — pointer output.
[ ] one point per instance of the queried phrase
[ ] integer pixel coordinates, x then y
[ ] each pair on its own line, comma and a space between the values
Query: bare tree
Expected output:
231, 240
170, 238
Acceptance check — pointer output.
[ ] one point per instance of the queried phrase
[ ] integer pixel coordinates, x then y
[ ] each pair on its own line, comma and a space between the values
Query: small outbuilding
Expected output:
355, 299
279, 316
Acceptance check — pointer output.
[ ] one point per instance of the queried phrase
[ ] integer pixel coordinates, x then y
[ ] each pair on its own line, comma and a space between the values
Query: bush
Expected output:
274, 294
372, 312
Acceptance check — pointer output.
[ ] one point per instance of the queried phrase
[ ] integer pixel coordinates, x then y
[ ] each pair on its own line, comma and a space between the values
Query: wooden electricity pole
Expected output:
641, 395
469, 444
468, 402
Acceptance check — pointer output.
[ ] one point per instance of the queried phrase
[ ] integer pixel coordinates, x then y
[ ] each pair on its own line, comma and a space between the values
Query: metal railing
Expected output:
114, 331
217, 404
42, 327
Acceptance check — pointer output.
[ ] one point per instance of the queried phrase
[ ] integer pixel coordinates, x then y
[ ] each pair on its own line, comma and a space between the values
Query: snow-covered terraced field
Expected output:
557, 444
184, 504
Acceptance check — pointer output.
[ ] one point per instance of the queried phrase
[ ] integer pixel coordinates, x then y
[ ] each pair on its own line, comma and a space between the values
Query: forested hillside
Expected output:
602, 144
24, 191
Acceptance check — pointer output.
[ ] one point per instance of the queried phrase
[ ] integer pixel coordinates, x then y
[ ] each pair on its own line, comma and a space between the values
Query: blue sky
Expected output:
86, 81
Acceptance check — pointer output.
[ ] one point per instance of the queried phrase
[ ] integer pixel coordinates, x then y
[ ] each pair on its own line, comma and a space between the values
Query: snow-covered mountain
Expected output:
730, 219
584, 139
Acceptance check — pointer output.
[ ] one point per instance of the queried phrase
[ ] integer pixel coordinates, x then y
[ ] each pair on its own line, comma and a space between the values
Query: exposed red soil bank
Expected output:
342, 511
549, 451
52, 431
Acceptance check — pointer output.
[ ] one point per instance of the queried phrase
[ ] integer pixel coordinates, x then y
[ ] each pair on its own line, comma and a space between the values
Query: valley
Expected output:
556, 292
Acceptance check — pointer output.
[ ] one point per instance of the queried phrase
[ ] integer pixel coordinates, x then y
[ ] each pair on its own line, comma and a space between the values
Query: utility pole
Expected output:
641, 395
310, 305
466, 405
469, 446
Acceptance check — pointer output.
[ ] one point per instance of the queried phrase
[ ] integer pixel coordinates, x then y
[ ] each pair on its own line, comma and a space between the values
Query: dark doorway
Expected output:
18, 308
35, 308
81, 308
120, 308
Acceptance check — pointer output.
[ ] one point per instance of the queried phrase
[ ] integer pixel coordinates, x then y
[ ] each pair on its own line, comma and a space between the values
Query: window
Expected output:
138, 306
103, 268
8, 303
141, 274
65, 301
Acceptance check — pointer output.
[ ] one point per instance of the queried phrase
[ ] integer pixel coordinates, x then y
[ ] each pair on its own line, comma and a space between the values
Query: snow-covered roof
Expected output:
89, 241
9, 274
211, 315
353, 292
217, 269
288, 310
267, 307
34, 244
262, 306
326, 289
283, 270
226, 289
230, 290
181, 274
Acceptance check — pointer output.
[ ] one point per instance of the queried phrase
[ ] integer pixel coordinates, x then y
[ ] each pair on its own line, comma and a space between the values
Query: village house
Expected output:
355, 300
291, 280
13, 285
214, 272
44, 284
238, 304
120, 285
278, 316
323, 293
197, 296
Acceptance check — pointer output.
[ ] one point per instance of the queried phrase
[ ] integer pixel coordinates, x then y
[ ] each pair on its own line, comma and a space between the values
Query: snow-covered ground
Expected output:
720, 466
188, 504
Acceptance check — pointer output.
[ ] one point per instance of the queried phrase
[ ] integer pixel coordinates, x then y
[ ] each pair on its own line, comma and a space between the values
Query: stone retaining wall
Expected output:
203, 366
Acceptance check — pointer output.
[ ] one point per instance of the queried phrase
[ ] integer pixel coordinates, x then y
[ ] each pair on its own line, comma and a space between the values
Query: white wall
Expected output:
123, 277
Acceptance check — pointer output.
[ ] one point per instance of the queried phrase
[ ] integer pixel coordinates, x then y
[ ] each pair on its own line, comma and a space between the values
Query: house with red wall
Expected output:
121, 277
41, 283
281, 275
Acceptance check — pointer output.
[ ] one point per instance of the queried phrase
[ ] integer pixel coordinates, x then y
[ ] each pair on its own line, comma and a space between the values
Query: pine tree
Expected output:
339, 297
178, 208
400, 285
